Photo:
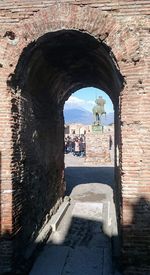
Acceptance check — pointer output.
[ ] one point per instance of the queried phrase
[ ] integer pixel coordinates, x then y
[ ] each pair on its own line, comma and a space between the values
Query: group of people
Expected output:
75, 145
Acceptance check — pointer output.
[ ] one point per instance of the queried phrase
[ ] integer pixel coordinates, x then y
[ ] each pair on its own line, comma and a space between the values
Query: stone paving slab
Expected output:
95, 192
62, 260
85, 261
51, 261
86, 210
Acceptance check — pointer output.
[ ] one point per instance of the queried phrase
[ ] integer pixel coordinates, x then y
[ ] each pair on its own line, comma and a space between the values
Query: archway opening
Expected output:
48, 72
89, 156
89, 134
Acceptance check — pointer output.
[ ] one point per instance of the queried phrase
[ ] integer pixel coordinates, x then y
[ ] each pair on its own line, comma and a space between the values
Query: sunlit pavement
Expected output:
82, 243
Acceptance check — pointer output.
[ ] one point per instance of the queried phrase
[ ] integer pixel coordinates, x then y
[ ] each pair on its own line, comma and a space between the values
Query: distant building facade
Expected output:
76, 129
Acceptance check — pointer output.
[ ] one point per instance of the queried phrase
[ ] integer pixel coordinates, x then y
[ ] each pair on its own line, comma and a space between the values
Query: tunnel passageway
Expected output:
49, 50
83, 239
49, 70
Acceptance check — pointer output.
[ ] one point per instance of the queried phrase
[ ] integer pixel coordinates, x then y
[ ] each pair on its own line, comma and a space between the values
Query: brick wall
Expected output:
5, 176
36, 167
124, 27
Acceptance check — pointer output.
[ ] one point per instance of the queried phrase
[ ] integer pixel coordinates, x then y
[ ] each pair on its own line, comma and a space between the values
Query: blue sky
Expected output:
85, 98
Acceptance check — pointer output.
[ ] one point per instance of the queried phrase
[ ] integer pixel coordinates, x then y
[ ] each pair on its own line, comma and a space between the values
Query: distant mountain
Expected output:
108, 119
85, 117
77, 116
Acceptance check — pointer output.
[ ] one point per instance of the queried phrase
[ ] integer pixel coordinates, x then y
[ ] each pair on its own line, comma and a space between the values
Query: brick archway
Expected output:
120, 48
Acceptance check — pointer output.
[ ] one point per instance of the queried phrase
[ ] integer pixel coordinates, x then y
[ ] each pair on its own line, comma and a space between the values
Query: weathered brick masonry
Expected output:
39, 69
97, 148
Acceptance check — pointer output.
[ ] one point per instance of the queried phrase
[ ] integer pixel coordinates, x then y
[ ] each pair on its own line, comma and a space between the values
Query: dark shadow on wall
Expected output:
136, 239
0, 192
36, 172
6, 254
37, 162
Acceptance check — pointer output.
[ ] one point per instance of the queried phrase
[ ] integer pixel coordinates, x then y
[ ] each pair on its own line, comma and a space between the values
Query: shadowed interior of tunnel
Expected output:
60, 62
48, 72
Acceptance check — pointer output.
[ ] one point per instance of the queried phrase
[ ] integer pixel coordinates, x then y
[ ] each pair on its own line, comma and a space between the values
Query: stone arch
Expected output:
103, 26
59, 62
